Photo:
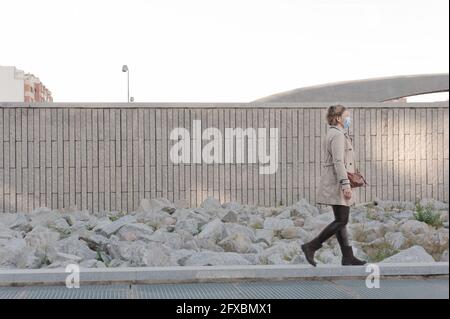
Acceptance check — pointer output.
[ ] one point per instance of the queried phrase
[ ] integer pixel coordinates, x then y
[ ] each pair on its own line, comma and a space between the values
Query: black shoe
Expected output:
348, 259
309, 249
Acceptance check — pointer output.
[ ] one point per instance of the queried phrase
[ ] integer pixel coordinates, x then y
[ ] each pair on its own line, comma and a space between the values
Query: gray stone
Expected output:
70, 219
185, 235
118, 263
276, 259
414, 227
7, 234
42, 239
299, 222
60, 225
135, 231
140, 254
434, 242
43, 217
434, 204
299, 259
198, 244
62, 257
183, 213
404, 214
181, 203
72, 214
230, 217
286, 213
232, 205
155, 219
10, 251
92, 263
207, 258
253, 259
28, 259
156, 204
256, 222
14, 253
170, 239
188, 215
211, 203
93, 222
294, 232
213, 231
327, 217
113, 215
314, 224
95, 242
258, 248
232, 228
377, 214
189, 225
304, 209
79, 226
16, 221
277, 223
389, 204
326, 256
264, 235
60, 264
180, 254
238, 243
109, 229
281, 252
368, 231
75, 246
415, 254
397, 240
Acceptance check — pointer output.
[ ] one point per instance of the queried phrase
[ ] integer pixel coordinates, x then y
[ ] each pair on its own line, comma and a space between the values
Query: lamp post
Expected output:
125, 69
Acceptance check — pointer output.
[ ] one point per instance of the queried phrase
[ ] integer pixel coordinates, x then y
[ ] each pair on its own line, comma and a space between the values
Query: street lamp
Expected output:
125, 69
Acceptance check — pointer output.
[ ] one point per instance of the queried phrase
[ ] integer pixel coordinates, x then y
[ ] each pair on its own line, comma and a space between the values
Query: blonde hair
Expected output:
333, 112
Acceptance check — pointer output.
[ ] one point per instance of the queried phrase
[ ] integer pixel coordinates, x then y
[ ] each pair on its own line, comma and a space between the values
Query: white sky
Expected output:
218, 51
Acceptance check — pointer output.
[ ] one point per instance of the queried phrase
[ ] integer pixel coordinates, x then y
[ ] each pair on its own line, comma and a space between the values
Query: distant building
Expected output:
18, 86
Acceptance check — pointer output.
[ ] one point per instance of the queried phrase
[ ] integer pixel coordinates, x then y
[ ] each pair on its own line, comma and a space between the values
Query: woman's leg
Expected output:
338, 225
339, 228
341, 213
347, 252
342, 237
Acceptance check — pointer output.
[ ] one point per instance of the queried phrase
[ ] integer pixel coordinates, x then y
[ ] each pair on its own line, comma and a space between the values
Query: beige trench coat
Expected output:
339, 158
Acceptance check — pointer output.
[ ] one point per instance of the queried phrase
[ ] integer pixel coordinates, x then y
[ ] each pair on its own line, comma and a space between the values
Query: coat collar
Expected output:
337, 127
345, 132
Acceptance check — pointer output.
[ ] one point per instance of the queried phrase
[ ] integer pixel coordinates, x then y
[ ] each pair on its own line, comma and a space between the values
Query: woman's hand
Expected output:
347, 193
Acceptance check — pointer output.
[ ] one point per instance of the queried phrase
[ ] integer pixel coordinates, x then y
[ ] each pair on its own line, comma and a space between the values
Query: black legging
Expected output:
337, 227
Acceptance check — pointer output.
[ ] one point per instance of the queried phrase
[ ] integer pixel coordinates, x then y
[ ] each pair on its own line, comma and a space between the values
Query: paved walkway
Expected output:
236, 273
390, 288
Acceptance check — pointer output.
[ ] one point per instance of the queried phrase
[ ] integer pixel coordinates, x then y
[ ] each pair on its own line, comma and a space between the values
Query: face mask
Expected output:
347, 122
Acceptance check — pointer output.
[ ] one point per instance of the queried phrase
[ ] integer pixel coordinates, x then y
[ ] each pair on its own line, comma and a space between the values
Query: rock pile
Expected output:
161, 233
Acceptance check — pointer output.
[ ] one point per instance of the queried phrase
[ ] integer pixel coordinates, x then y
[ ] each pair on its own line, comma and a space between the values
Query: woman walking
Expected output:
334, 187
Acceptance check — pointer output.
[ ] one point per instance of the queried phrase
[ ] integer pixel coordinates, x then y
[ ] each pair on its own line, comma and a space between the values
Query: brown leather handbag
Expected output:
356, 179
